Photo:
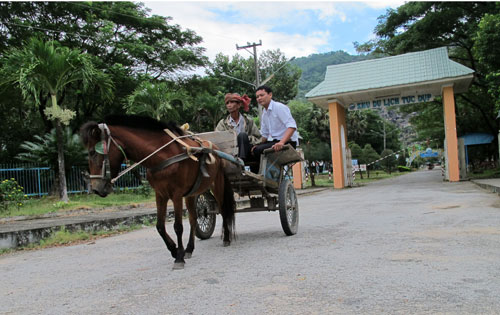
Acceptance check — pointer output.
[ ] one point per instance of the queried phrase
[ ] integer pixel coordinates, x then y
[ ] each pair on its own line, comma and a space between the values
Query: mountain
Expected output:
313, 72
314, 67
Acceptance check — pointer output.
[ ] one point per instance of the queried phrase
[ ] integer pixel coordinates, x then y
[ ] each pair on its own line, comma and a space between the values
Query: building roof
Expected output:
477, 138
408, 71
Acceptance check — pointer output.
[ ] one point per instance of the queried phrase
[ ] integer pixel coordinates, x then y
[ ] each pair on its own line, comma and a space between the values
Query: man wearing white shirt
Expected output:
277, 125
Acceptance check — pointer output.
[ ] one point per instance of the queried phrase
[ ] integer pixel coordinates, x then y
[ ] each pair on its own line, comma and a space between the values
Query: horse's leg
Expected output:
179, 260
224, 196
161, 214
191, 206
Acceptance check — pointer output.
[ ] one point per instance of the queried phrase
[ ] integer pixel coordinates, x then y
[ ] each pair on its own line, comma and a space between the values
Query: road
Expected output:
410, 244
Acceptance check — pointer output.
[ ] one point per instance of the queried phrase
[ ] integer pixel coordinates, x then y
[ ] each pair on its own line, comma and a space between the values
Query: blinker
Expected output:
99, 147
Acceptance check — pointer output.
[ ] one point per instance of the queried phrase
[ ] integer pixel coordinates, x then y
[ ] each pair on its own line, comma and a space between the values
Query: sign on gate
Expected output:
392, 101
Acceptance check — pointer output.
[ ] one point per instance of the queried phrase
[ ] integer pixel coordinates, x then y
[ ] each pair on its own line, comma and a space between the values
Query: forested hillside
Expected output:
314, 67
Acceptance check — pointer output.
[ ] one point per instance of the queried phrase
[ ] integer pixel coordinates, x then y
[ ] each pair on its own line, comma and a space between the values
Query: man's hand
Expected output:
278, 146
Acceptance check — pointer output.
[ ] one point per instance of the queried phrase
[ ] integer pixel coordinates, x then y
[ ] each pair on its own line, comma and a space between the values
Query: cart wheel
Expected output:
206, 215
289, 207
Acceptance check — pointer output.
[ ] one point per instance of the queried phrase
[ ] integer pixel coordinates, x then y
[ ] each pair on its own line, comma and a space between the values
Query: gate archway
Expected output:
398, 80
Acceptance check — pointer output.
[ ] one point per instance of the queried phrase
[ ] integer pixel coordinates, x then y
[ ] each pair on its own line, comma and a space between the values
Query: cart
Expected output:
270, 189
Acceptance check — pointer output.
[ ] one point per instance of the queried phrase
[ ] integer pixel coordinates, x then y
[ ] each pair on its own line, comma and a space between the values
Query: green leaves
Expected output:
43, 150
156, 100
48, 68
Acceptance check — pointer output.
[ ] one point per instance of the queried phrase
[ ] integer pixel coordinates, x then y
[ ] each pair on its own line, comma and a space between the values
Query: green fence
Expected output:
39, 180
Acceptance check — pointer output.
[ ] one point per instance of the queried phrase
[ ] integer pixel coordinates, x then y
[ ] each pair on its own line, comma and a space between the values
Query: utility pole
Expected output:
256, 61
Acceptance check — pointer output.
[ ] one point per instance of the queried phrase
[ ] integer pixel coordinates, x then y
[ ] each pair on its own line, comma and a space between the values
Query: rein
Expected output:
125, 171
190, 152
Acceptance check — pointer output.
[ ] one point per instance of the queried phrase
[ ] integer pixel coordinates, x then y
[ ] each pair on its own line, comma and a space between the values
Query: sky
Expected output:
297, 28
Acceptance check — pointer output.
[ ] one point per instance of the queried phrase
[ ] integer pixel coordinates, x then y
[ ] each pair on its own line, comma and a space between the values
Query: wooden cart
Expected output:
271, 189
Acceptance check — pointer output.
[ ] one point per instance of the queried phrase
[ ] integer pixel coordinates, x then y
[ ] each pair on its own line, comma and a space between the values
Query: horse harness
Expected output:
191, 153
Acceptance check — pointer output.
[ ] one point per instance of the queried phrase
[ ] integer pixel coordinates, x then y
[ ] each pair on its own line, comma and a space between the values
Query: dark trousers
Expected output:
244, 146
257, 152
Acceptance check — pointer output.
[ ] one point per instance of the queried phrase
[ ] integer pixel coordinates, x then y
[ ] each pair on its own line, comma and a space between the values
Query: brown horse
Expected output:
172, 173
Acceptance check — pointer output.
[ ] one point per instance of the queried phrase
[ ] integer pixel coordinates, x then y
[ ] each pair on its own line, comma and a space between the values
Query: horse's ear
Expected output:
95, 133
90, 131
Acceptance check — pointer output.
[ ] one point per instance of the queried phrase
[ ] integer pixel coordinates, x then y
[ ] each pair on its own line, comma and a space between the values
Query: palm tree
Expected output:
45, 68
155, 100
43, 150
356, 124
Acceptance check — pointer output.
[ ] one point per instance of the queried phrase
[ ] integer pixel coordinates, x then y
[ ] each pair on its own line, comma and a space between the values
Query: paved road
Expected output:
411, 244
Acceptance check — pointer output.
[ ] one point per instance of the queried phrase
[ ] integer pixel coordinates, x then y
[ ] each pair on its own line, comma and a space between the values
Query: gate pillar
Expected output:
450, 126
338, 139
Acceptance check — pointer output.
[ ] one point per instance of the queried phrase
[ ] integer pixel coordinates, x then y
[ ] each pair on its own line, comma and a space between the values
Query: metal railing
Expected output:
39, 180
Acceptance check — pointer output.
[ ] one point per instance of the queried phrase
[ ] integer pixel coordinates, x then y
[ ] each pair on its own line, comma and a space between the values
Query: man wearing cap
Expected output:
277, 126
248, 133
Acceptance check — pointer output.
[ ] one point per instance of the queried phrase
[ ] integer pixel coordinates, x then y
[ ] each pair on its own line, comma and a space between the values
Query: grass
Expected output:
64, 237
44, 205
322, 180
487, 173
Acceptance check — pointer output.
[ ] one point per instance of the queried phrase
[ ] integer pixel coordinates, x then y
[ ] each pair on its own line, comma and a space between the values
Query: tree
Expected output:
369, 156
368, 126
285, 76
469, 30
389, 160
156, 100
357, 122
429, 122
487, 48
123, 40
315, 151
312, 121
284, 80
46, 69
211, 109
43, 150
357, 154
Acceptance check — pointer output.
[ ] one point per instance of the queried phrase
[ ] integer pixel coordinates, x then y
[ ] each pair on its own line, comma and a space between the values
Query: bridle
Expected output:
106, 169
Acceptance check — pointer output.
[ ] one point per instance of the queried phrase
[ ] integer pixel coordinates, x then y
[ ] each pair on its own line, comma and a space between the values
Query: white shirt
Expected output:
276, 119
239, 126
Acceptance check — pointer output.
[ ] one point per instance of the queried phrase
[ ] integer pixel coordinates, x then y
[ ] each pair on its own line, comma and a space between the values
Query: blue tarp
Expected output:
477, 138
426, 154
474, 139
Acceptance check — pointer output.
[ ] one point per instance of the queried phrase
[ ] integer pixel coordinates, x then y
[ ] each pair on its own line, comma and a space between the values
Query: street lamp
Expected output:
263, 82
257, 84
228, 76
272, 75
384, 134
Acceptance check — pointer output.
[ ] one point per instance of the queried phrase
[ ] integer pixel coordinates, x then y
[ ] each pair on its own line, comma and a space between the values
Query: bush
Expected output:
145, 189
11, 194
402, 168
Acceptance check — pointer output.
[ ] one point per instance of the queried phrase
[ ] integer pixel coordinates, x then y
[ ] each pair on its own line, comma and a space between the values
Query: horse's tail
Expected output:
228, 208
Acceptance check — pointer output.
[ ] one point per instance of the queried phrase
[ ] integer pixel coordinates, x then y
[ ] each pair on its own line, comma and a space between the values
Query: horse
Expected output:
172, 172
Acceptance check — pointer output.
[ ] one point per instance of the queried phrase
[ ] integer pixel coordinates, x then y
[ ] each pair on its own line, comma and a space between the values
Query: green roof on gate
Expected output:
411, 68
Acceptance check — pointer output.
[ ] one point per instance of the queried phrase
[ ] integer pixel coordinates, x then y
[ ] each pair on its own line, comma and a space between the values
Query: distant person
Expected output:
247, 132
277, 124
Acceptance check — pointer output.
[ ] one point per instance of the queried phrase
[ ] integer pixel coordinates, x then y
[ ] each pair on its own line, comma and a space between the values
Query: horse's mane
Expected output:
142, 122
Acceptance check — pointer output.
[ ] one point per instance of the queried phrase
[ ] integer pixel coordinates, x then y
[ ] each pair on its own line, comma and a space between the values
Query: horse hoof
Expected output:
178, 266
227, 243
188, 255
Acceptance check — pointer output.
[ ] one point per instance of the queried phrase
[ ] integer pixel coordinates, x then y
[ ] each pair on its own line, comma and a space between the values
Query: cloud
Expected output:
378, 4
223, 25
297, 28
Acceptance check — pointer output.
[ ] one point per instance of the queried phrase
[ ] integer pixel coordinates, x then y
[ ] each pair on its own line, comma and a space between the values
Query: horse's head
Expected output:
104, 159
